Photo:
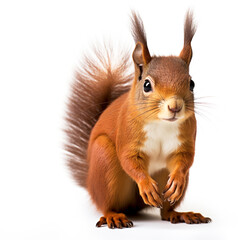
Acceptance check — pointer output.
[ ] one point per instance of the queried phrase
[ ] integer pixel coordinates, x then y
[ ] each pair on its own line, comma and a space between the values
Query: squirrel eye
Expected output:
192, 85
147, 86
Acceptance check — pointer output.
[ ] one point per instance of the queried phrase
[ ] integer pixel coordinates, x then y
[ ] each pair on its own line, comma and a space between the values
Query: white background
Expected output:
41, 43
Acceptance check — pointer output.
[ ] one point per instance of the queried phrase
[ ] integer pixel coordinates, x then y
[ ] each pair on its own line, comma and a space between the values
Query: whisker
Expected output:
197, 106
146, 107
148, 101
198, 112
155, 111
203, 97
149, 110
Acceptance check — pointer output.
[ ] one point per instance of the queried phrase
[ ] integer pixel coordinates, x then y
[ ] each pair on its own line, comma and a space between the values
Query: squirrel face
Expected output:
164, 90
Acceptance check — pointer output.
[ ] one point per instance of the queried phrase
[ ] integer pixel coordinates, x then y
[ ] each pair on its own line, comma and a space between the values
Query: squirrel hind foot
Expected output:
115, 220
187, 217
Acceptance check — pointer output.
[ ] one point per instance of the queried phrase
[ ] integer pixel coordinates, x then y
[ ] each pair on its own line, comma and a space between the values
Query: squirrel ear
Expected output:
186, 54
189, 31
141, 55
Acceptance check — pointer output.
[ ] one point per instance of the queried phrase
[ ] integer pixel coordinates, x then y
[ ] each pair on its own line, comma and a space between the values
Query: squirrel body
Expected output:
136, 143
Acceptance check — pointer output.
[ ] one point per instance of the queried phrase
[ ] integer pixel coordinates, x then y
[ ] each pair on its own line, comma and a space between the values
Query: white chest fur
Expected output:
161, 140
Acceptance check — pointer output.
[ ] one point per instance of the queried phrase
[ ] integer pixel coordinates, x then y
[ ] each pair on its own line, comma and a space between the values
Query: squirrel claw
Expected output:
172, 202
115, 220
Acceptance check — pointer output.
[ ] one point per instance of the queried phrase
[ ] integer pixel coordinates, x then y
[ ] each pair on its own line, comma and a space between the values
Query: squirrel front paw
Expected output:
174, 187
149, 192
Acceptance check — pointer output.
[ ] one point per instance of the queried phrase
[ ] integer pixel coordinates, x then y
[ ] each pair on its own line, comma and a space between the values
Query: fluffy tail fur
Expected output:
97, 83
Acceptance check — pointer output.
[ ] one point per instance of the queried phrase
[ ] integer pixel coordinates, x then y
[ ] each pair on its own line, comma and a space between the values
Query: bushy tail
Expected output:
98, 82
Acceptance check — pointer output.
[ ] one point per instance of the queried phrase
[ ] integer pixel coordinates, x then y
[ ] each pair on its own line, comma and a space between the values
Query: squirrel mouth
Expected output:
173, 119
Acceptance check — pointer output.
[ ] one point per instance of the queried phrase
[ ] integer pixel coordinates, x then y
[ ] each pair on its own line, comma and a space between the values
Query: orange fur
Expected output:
117, 158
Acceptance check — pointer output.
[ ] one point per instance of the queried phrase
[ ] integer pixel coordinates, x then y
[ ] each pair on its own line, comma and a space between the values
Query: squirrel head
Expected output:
162, 88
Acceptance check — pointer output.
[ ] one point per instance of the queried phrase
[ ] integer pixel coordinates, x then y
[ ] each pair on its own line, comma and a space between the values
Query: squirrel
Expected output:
131, 135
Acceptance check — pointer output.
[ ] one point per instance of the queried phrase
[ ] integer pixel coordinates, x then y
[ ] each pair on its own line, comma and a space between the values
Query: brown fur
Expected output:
189, 31
138, 31
115, 167
141, 53
95, 86
189, 28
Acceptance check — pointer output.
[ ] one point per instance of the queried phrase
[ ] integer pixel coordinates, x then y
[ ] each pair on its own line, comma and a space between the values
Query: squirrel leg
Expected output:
115, 220
110, 188
169, 214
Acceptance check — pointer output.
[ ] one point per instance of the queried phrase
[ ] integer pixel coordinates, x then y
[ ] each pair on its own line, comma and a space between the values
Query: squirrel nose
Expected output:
174, 109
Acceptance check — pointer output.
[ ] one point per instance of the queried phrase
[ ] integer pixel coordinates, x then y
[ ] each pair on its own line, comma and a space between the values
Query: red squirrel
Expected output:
131, 136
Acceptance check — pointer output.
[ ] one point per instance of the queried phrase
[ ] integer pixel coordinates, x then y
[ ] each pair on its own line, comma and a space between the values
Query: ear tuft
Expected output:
141, 53
138, 31
189, 28
189, 31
